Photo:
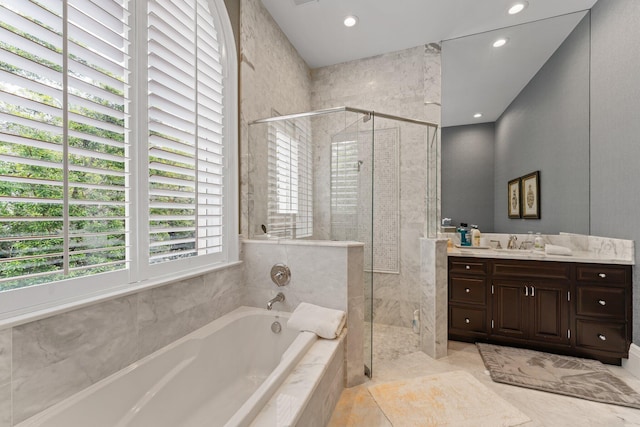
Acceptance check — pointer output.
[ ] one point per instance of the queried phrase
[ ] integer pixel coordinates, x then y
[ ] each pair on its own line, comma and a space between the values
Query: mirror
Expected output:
535, 118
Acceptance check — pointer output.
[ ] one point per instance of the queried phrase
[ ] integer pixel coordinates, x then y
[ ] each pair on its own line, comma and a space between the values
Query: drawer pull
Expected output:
468, 267
602, 337
602, 275
467, 290
602, 302
466, 320
526, 291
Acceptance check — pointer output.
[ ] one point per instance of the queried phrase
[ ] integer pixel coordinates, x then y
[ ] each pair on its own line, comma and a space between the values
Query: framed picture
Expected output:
531, 195
514, 198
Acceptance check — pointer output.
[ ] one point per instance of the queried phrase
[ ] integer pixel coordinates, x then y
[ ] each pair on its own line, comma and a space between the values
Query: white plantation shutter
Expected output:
63, 139
290, 179
113, 144
186, 148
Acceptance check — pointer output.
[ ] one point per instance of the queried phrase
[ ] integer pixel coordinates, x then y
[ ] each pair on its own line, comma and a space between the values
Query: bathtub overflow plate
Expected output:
276, 327
280, 274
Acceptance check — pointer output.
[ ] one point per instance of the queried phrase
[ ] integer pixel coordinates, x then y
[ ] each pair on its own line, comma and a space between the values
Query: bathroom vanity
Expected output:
571, 305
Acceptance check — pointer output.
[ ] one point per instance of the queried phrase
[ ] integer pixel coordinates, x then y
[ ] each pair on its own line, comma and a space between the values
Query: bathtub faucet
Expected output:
277, 298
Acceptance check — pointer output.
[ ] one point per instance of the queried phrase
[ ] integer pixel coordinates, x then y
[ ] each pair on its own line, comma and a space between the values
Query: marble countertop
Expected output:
577, 256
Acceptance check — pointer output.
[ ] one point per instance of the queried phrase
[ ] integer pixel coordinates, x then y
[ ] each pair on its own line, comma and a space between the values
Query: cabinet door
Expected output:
549, 306
510, 309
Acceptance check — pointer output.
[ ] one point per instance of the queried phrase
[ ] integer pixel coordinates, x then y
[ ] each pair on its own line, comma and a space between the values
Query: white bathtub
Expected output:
220, 375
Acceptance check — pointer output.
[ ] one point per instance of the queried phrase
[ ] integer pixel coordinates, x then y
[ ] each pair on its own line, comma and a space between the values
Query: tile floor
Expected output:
396, 356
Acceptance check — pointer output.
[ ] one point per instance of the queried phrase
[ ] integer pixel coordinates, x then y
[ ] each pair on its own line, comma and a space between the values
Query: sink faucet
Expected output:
512, 241
277, 298
526, 245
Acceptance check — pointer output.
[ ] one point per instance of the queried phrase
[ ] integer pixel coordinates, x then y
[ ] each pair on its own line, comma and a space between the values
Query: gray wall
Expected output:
467, 174
615, 128
546, 128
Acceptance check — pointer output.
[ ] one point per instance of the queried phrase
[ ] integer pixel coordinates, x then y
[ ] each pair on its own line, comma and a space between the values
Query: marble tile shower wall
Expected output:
397, 83
45, 361
273, 77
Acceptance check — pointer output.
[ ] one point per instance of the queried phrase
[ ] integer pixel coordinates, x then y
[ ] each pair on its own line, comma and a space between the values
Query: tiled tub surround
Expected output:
45, 361
216, 366
584, 248
326, 273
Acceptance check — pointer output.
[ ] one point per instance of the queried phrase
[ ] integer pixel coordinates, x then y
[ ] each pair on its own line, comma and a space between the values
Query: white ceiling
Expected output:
474, 73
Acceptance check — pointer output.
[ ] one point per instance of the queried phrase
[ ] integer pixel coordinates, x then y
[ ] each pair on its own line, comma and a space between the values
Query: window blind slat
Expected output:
82, 38
97, 78
11, 39
35, 21
95, 16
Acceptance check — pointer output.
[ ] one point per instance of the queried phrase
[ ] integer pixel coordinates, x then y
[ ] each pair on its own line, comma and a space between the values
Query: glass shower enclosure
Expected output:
336, 174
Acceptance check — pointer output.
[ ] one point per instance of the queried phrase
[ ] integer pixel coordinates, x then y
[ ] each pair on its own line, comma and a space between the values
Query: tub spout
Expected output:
277, 298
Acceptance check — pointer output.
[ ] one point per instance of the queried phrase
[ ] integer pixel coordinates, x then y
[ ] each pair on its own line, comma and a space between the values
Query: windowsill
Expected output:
85, 301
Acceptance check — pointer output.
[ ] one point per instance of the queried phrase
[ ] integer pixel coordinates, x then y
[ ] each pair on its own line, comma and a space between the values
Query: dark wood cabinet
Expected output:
468, 296
571, 308
603, 310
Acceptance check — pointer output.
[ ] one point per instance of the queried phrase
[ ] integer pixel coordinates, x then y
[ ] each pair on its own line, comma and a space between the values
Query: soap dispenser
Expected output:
475, 235
538, 242
464, 235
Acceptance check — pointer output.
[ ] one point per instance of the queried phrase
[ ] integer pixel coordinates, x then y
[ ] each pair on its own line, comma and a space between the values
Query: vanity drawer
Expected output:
468, 319
468, 290
466, 265
604, 336
601, 301
532, 269
602, 273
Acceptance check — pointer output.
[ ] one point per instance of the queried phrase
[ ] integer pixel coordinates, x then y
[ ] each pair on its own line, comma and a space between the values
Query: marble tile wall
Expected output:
397, 83
45, 361
434, 299
274, 78
5, 377
329, 274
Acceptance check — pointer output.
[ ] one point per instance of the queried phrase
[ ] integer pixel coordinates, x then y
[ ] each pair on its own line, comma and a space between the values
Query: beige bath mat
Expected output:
448, 399
571, 376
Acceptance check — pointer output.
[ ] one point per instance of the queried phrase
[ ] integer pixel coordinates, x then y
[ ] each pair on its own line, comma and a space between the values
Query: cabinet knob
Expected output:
602, 337
602, 275
467, 290
602, 302
466, 320
468, 267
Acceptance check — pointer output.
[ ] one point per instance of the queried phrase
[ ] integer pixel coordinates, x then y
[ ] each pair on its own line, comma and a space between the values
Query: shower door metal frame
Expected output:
346, 109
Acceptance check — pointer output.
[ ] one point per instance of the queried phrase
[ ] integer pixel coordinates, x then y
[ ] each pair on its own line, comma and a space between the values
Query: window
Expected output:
99, 175
290, 205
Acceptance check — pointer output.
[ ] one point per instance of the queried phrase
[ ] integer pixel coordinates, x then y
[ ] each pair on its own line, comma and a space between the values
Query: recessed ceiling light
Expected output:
499, 42
517, 7
350, 21
477, 115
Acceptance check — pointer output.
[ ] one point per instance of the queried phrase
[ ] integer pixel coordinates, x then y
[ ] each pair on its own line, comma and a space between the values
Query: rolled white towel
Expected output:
557, 250
324, 322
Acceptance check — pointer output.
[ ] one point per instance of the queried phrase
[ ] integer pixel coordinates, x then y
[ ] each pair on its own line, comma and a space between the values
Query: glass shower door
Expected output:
352, 204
